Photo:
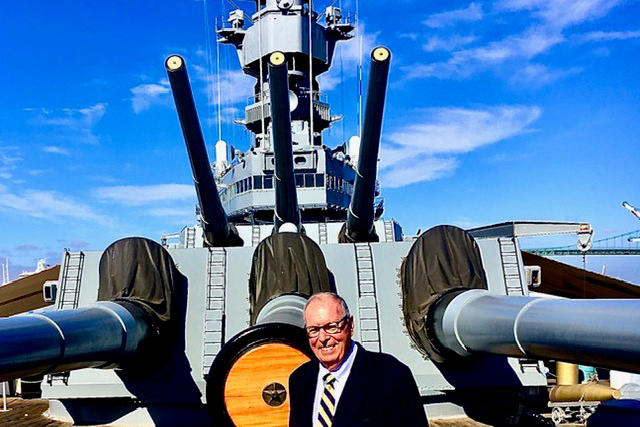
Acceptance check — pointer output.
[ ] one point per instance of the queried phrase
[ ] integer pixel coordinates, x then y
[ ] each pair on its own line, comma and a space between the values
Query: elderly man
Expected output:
349, 386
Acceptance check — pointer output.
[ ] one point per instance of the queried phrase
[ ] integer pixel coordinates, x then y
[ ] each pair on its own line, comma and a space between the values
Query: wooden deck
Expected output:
30, 413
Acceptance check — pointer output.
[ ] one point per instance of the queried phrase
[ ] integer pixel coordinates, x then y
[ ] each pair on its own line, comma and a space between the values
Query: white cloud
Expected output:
48, 205
539, 75
147, 95
180, 213
226, 114
74, 118
137, 195
349, 53
417, 169
8, 161
55, 149
410, 36
77, 123
598, 36
436, 43
235, 86
469, 14
425, 150
560, 14
462, 63
511, 55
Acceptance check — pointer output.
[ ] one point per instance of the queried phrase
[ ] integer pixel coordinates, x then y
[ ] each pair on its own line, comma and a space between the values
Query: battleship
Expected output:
205, 327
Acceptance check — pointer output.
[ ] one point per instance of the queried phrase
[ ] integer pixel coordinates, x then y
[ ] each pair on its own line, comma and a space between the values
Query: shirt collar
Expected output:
345, 367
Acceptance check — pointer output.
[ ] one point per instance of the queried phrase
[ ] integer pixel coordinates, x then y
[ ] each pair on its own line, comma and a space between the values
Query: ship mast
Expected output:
308, 55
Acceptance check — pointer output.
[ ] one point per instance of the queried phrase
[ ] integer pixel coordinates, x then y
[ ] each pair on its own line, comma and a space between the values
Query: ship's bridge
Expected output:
324, 182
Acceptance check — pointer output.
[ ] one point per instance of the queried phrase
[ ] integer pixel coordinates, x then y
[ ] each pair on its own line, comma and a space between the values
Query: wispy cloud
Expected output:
49, 205
8, 158
226, 114
77, 123
54, 149
235, 86
436, 43
349, 53
604, 36
538, 75
410, 36
138, 195
426, 150
183, 213
147, 95
547, 24
26, 248
560, 14
417, 169
471, 13
463, 63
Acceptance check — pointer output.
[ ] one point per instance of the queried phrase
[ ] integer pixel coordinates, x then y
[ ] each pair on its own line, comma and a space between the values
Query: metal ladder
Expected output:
255, 235
510, 266
70, 281
214, 321
388, 231
367, 299
191, 237
322, 233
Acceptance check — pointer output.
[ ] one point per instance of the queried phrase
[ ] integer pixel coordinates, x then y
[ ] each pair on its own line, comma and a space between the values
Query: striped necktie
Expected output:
327, 407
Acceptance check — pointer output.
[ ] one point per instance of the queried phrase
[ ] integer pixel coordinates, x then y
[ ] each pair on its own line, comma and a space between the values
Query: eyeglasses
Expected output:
330, 328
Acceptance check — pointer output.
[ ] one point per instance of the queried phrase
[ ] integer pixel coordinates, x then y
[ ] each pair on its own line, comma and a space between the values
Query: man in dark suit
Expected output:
348, 386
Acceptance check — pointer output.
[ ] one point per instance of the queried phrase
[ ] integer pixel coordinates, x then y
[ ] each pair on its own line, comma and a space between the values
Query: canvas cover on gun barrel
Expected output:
286, 263
140, 271
443, 258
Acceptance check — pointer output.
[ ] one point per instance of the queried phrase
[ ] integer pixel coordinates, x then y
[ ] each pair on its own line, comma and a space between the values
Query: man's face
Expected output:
330, 349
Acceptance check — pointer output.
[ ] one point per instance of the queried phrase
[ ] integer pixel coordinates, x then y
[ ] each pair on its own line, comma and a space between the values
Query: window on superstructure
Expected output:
308, 180
268, 182
257, 182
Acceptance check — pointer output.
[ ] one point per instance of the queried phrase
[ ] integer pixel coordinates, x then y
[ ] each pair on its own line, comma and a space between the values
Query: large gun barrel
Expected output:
286, 210
105, 335
596, 332
216, 227
359, 226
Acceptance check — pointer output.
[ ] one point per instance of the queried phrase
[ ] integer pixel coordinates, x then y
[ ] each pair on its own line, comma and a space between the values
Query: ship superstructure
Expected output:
207, 331
324, 177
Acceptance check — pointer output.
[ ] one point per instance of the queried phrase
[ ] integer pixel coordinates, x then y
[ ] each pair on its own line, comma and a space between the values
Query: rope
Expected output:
208, 62
359, 68
310, 73
219, 90
260, 83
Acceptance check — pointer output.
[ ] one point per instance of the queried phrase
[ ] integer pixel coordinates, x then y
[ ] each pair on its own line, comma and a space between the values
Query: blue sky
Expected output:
498, 110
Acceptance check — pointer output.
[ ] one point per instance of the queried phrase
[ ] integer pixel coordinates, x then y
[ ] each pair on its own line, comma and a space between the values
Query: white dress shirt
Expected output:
341, 374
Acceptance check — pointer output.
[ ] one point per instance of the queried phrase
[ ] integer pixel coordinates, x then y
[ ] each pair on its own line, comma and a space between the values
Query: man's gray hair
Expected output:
329, 295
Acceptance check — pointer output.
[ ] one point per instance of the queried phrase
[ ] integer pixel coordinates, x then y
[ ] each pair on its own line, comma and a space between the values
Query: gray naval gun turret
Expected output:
207, 331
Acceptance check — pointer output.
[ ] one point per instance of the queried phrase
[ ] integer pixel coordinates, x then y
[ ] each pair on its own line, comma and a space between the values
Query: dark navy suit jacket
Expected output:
380, 392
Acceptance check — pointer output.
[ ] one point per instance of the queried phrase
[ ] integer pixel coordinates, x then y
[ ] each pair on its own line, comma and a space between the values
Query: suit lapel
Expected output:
354, 391
308, 392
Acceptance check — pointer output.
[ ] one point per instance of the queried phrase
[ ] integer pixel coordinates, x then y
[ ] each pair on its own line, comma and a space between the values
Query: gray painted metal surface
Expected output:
366, 275
603, 332
102, 335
